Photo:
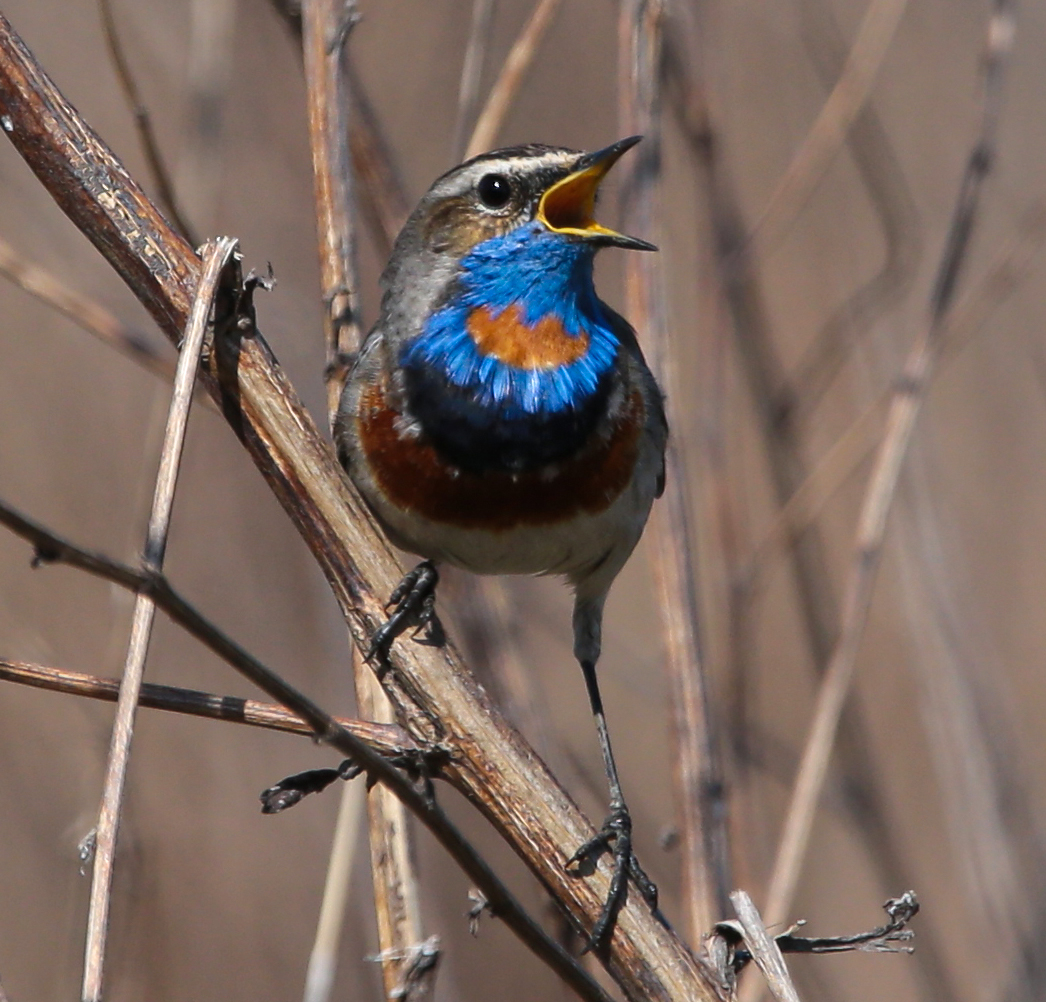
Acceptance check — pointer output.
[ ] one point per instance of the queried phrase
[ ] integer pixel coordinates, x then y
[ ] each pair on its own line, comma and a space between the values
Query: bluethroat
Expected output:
500, 417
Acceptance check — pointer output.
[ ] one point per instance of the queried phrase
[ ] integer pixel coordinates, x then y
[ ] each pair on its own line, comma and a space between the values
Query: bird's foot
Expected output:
413, 603
615, 836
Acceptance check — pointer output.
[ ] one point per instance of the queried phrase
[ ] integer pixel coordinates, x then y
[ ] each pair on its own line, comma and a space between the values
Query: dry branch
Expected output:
388, 740
765, 952
431, 757
326, 26
435, 698
383, 201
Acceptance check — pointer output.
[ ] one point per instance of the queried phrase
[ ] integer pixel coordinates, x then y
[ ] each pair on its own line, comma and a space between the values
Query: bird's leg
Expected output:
615, 835
413, 603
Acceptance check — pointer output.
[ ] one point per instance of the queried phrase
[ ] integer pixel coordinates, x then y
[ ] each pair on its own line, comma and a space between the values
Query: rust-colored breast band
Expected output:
415, 479
544, 345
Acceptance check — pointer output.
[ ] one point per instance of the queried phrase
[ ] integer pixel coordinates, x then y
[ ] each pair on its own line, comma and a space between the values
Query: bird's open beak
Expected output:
569, 205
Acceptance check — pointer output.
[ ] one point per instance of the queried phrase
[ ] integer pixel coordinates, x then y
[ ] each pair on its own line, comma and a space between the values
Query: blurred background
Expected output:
777, 397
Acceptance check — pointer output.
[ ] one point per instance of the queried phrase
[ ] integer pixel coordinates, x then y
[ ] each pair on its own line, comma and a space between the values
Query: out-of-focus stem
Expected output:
698, 782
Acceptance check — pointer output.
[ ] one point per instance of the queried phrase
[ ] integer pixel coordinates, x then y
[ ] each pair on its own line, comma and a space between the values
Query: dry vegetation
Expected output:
822, 667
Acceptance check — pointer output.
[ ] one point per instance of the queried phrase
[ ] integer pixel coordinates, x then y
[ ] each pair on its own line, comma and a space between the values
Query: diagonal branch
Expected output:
827, 135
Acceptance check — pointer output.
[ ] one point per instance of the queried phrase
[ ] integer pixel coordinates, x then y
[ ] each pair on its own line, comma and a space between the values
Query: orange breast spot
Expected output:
545, 345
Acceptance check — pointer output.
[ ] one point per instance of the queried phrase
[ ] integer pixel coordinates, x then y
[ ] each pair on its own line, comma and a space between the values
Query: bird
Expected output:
499, 417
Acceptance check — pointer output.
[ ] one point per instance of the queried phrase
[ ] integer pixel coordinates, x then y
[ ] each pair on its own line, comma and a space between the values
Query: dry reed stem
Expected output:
702, 827
216, 256
323, 959
480, 30
396, 886
1009, 268
908, 397
883, 178
435, 698
200, 167
764, 949
383, 203
143, 125
388, 740
326, 26
510, 79
827, 135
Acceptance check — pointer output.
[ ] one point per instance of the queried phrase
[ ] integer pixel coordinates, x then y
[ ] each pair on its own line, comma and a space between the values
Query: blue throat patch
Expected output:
544, 276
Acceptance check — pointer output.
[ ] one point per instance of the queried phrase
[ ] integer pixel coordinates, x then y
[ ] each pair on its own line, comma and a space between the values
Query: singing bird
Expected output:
500, 417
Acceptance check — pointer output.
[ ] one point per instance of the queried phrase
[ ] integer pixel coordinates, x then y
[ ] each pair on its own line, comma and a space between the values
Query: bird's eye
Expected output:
494, 190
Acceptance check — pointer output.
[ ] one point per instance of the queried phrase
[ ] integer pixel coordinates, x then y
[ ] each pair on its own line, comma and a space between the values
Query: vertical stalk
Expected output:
215, 258
698, 781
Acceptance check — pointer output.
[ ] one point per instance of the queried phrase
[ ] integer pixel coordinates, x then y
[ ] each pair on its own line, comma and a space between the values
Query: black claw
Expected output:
615, 836
412, 603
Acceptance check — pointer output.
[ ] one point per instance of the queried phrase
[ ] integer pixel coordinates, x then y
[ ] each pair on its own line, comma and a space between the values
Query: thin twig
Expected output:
215, 256
144, 126
388, 740
435, 697
513, 72
908, 397
698, 780
396, 887
827, 135
472, 73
